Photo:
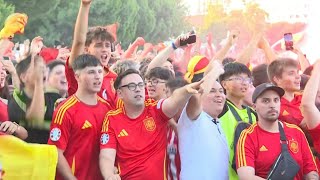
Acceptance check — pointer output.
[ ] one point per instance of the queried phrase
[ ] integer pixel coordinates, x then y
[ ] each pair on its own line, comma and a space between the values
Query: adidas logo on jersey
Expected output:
263, 148
123, 133
86, 125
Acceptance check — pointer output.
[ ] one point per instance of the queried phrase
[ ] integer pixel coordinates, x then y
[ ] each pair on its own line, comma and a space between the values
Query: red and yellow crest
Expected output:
149, 124
293, 145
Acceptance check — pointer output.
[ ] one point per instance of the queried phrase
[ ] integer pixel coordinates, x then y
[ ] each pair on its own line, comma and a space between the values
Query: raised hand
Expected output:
85, 2
140, 41
195, 87
36, 45
63, 54
233, 36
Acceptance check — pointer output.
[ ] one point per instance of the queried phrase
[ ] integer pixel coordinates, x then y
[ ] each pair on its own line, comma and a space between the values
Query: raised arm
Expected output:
165, 54
36, 111
265, 46
232, 38
304, 63
138, 42
245, 56
194, 106
80, 31
309, 110
179, 98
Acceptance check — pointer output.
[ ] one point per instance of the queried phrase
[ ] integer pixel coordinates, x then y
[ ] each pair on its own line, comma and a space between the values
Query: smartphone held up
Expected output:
192, 39
288, 41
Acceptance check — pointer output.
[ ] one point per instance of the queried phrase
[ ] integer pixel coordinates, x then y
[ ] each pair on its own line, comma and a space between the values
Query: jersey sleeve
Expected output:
160, 111
108, 137
309, 163
60, 129
72, 82
245, 151
314, 133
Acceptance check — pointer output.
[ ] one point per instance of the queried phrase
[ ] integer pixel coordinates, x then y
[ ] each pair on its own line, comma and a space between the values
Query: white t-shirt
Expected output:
203, 148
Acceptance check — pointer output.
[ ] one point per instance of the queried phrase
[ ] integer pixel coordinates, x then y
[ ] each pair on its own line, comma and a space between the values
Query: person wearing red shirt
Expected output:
76, 125
309, 109
98, 42
285, 74
135, 136
259, 145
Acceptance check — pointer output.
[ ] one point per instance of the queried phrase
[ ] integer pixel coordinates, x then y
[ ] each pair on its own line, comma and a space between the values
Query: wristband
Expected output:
174, 46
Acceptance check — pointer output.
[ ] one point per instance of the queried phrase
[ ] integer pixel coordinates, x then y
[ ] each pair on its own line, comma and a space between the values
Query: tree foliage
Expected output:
155, 20
5, 10
218, 20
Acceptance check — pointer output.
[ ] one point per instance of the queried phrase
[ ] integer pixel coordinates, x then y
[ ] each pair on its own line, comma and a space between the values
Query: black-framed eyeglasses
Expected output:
240, 80
133, 86
154, 82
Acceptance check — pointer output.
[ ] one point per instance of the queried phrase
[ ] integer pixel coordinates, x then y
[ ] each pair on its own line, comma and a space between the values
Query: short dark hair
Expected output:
161, 73
85, 60
96, 33
228, 60
176, 83
308, 70
54, 63
304, 81
120, 76
275, 69
234, 68
260, 75
23, 66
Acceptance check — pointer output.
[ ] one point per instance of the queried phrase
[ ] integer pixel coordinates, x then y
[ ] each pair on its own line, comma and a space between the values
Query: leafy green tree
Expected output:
153, 20
5, 10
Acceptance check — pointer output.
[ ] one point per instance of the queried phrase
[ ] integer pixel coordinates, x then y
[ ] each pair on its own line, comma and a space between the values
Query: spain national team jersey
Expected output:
259, 149
75, 128
290, 111
140, 143
107, 91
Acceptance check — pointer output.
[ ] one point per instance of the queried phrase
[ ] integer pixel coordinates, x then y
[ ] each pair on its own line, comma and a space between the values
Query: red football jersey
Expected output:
290, 111
75, 128
140, 143
107, 91
259, 149
3, 112
314, 133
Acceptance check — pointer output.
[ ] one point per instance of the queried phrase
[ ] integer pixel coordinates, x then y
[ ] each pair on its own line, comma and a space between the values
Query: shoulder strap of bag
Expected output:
283, 139
236, 115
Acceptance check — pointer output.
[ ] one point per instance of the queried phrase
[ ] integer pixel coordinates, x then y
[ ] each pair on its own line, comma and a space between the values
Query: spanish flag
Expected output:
20, 160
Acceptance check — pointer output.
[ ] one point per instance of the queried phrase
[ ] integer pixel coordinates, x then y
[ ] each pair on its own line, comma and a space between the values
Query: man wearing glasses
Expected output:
236, 81
136, 135
156, 80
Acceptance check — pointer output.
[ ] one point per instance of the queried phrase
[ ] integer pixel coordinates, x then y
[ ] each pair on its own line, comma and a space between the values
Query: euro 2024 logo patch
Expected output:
55, 134
104, 139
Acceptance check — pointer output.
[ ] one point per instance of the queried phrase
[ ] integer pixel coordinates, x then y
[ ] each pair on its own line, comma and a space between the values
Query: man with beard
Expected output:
260, 144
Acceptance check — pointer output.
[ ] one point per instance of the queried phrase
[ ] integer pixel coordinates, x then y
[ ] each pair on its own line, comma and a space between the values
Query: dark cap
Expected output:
263, 87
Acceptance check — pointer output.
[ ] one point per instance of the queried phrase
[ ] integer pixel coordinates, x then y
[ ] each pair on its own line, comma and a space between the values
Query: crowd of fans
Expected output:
159, 114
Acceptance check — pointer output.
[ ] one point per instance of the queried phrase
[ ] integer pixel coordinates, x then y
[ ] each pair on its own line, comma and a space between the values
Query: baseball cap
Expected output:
196, 65
263, 87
